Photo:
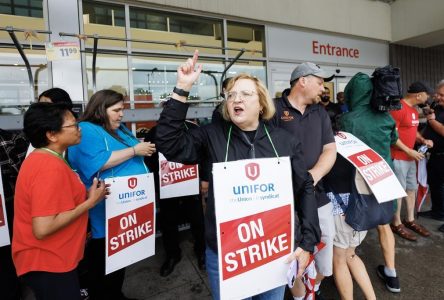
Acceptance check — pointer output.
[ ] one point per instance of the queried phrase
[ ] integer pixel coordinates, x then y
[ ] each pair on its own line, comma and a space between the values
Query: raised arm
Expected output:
172, 138
187, 74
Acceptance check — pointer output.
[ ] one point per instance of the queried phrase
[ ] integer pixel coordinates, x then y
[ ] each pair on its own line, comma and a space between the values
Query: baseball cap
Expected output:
309, 68
418, 87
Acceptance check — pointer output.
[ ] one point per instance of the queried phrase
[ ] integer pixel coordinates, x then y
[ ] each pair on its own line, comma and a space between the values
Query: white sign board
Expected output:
130, 220
177, 180
375, 170
254, 219
4, 232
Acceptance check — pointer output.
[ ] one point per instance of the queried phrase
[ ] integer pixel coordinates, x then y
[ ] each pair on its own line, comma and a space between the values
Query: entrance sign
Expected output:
325, 48
177, 180
130, 224
254, 219
62, 51
4, 232
373, 168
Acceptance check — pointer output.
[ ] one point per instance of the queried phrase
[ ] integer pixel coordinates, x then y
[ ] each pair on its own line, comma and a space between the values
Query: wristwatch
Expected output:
181, 92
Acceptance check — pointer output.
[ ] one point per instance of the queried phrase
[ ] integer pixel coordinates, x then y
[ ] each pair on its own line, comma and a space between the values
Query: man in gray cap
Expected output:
298, 111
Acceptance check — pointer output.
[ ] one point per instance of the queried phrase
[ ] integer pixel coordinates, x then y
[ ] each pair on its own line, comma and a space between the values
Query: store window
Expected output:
104, 19
250, 37
26, 8
254, 68
177, 29
15, 89
23, 14
104, 14
111, 73
145, 19
155, 78
188, 24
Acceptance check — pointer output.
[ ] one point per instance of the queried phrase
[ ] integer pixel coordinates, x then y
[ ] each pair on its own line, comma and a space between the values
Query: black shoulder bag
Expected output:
364, 212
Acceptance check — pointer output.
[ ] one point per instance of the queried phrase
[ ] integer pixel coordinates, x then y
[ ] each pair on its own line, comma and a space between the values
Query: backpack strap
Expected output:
340, 202
338, 198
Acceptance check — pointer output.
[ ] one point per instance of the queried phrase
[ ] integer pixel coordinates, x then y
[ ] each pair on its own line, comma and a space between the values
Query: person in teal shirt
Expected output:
107, 149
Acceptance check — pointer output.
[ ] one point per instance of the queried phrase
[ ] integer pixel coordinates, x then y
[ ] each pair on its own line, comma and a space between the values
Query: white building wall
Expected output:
363, 18
418, 22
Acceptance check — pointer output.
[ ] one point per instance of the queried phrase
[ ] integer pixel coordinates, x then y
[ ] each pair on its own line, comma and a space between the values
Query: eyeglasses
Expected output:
76, 125
243, 95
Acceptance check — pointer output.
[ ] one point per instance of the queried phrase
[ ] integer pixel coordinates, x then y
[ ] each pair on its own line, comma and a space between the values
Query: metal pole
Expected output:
230, 64
10, 28
96, 41
19, 47
110, 38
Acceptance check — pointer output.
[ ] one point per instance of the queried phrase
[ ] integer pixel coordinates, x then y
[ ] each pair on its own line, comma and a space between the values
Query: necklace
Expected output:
55, 153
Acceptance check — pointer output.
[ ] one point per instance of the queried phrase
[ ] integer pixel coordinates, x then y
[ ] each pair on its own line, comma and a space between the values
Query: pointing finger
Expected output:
195, 57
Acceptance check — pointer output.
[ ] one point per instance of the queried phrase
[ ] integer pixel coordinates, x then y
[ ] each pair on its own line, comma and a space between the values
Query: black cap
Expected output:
418, 87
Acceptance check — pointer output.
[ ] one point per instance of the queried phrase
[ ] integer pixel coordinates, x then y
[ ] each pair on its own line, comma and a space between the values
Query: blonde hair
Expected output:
265, 100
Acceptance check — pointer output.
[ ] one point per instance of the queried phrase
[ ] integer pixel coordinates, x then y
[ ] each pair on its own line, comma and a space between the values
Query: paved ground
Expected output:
420, 266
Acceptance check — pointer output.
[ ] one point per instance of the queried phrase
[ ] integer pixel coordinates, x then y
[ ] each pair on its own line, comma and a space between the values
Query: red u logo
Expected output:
132, 182
252, 171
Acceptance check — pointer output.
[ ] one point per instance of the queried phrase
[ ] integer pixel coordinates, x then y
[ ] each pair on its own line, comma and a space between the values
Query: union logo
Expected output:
252, 171
132, 182
286, 116
341, 135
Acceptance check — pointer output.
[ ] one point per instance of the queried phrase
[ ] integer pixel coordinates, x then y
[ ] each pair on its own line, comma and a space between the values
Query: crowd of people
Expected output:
57, 195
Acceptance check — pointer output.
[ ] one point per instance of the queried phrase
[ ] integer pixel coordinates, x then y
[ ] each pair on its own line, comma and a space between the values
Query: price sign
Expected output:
62, 50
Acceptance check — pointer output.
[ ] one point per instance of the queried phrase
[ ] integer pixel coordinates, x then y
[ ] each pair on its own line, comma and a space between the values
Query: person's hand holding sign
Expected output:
186, 76
302, 257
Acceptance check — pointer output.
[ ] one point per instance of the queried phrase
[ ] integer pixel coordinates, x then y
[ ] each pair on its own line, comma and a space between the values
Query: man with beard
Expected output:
435, 171
404, 156
333, 109
298, 112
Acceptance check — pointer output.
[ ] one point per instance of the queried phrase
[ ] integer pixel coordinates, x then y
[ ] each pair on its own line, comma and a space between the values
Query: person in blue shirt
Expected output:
107, 149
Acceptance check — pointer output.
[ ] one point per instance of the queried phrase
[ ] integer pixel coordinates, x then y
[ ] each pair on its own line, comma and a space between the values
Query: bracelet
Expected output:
134, 151
181, 92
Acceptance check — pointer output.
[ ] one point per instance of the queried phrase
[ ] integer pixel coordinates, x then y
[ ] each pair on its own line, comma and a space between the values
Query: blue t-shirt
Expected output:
88, 157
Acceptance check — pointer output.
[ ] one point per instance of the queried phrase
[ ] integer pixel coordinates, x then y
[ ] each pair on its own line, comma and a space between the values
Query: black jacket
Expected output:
185, 146
313, 129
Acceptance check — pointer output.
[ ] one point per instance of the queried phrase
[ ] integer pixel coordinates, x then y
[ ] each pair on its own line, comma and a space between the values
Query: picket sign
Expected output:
375, 170
130, 220
254, 219
177, 180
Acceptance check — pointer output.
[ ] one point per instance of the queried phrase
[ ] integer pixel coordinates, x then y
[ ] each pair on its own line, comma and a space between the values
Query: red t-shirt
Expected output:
46, 186
407, 121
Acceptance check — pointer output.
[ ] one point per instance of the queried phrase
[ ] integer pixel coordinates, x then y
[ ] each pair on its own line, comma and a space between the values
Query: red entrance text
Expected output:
327, 49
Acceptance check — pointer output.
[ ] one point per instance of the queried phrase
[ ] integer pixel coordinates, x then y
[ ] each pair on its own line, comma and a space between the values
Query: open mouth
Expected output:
238, 110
